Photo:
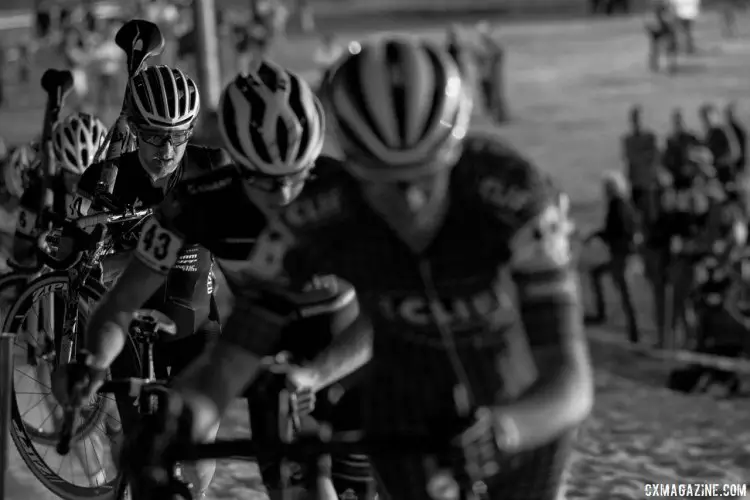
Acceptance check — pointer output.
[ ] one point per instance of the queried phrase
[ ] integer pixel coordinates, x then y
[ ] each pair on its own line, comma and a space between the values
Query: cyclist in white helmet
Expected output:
75, 141
274, 130
162, 112
17, 167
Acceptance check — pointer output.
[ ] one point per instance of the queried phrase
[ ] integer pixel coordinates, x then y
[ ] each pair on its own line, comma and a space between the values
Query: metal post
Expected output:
204, 14
6, 387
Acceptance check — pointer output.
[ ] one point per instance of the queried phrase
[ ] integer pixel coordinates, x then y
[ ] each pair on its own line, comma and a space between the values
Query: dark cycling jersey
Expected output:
186, 296
503, 220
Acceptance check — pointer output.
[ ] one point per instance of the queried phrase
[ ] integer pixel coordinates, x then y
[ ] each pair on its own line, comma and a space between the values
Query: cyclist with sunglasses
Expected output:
243, 201
162, 111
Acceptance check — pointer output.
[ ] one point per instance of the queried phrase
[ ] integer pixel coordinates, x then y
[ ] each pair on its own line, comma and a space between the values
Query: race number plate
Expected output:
158, 247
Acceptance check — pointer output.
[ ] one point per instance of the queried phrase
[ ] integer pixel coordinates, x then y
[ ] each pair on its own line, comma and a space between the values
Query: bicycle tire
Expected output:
9, 280
19, 431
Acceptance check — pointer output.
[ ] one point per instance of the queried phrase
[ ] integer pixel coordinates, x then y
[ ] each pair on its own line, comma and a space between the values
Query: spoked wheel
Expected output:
89, 470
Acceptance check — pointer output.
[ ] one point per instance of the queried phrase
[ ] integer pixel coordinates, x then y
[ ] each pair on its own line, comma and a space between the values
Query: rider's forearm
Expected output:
106, 333
213, 381
562, 396
349, 351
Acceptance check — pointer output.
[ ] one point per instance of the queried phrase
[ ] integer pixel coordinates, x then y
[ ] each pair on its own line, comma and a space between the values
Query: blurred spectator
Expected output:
166, 15
620, 234
686, 12
110, 61
721, 141
679, 142
641, 155
728, 9
306, 14
3, 65
491, 71
76, 59
463, 54
25, 62
740, 134
43, 18
662, 36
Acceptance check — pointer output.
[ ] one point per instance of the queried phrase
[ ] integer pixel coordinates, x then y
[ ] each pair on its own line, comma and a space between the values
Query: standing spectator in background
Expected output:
306, 14
491, 71
728, 10
686, 12
43, 18
109, 59
740, 134
25, 62
640, 153
679, 142
662, 36
167, 17
621, 235
3, 65
76, 59
721, 142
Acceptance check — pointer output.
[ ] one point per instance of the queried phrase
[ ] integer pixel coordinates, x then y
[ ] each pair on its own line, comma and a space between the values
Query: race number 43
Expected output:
158, 247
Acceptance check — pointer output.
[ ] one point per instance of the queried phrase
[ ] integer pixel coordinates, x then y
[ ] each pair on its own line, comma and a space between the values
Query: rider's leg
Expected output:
183, 352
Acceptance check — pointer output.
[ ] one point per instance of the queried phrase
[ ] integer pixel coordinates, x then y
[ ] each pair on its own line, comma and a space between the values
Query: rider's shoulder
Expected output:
502, 179
201, 160
325, 199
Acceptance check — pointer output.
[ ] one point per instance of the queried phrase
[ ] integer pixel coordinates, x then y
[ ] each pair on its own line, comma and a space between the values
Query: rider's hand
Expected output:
75, 383
488, 438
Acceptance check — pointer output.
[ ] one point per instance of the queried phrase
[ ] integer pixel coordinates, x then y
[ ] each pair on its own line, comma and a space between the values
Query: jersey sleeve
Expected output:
533, 219
26, 225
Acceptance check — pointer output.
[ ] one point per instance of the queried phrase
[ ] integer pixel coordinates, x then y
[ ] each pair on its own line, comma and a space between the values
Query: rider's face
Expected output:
161, 153
275, 192
409, 202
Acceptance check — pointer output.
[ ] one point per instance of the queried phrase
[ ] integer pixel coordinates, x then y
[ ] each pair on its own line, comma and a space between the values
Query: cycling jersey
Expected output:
502, 220
186, 295
24, 245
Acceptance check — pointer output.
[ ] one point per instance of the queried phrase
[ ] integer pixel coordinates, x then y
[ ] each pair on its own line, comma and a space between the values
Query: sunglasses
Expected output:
160, 138
275, 183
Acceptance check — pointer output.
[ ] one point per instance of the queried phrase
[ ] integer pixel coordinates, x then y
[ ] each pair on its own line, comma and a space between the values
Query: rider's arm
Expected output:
252, 333
27, 230
562, 396
155, 255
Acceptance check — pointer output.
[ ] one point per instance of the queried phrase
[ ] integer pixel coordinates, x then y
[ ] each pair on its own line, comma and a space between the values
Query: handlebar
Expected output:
83, 240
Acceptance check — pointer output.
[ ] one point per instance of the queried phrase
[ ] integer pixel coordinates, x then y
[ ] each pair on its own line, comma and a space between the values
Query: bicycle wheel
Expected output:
97, 428
11, 285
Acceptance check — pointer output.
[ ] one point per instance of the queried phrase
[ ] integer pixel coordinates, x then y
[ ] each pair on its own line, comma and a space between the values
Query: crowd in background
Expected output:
632, 198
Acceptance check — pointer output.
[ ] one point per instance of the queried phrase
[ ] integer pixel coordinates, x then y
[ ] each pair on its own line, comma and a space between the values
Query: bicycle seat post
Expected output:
146, 327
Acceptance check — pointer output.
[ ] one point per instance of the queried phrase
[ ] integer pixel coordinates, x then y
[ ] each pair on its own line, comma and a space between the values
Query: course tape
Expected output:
737, 365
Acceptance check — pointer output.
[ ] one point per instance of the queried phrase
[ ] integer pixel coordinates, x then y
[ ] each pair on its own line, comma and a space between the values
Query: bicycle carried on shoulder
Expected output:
63, 299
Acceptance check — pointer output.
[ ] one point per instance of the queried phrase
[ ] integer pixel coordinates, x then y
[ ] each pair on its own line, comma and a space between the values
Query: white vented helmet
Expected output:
164, 98
400, 108
21, 159
76, 141
271, 121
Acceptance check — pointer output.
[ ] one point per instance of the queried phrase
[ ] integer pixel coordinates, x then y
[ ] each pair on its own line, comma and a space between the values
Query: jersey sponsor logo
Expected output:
266, 260
504, 196
76, 206
158, 248
197, 187
311, 209
26, 222
457, 311
544, 243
